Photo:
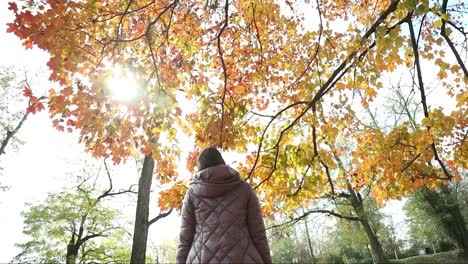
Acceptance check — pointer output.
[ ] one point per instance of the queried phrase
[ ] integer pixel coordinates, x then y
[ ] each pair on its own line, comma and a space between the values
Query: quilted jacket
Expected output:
221, 220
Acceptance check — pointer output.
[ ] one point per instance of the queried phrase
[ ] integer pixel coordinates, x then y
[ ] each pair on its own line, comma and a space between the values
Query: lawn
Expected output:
444, 257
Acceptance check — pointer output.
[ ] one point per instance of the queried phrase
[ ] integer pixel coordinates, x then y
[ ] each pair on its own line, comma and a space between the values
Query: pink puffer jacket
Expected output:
221, 220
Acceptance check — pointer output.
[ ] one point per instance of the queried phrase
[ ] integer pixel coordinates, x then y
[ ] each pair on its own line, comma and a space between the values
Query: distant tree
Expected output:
10, 114
306, 235
14, 108
284, 250
71, 227
436, 217
16, 103
75, 227
394, 242
349, 240
165, 252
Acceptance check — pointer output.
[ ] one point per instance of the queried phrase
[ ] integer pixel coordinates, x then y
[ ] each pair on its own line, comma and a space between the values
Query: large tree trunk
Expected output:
376, 247
140, 234
374, 242
72, 253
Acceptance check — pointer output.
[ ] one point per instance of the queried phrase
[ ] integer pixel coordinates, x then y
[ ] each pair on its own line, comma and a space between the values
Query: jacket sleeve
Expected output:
187, 229
257, 227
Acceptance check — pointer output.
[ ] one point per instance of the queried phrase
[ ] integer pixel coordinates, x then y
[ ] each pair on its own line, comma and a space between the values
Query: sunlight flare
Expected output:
123, 86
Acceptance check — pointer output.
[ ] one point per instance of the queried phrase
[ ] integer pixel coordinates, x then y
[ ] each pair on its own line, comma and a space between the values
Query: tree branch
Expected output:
449, 41
223, 65
109, 192
325, 88
423, 93
304, 215
158, 217
88, 237
10, 134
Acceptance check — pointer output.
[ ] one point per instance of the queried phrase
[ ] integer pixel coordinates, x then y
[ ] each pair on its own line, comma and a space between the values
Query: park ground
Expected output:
444, 257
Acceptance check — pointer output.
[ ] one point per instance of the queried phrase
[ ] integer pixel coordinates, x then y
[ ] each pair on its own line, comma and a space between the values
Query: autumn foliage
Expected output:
286, 83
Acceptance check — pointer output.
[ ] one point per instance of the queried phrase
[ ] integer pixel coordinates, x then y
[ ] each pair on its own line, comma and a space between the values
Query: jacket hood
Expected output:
215, 181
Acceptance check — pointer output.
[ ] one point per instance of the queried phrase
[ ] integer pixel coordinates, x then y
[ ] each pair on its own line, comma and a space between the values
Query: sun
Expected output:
123, 86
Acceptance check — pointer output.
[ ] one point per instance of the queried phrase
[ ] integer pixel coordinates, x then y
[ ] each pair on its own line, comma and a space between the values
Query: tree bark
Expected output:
374, 241
72, 253
376, 247
140, 234
10, 134
309, 242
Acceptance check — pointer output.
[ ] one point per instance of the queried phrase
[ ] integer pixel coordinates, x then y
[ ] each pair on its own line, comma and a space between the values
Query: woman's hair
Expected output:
209, 157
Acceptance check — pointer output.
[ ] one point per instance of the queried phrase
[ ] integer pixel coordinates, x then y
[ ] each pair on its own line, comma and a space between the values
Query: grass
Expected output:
444, 257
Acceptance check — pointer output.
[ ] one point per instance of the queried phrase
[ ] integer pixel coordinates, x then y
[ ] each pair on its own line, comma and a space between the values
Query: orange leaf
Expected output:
31, 109
27, 92
28, 44
12, 6
39, 107
11, 27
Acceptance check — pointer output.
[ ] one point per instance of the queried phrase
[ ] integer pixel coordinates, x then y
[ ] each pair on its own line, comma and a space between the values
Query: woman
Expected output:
221, 217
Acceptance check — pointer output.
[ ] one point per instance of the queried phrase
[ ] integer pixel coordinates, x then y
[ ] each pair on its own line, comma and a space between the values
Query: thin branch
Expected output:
423, 93
109, 178
261, 115
257, 34
260, 145
330, 181
303, 216
158, 217
88, 237
150, 25
223, 65
300, 183
11, 134
449, 41
407, 165
109, 192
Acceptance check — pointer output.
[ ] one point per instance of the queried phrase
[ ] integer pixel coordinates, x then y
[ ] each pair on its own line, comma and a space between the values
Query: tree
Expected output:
353, 209
424, 232
285, 244
348, 242
12, 116
261, 70
432, 210
284, 250
165, 252
71, 227
438, 212
351, 242
13, 109
76, 226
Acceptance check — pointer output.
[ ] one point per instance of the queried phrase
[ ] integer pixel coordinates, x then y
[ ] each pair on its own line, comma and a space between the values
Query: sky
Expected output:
48, 157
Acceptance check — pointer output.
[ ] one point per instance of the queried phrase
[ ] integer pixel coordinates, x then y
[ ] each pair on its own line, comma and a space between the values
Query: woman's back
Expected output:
221, 220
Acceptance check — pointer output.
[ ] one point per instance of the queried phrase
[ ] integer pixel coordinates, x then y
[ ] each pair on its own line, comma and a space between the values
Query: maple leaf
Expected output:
28, 44
11, 27
13, 6
39, 107
27, 92
31, 109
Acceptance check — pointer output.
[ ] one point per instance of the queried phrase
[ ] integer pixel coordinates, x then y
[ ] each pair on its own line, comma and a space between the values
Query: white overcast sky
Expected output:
43, 163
